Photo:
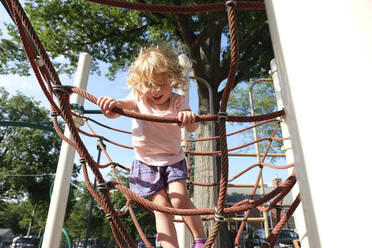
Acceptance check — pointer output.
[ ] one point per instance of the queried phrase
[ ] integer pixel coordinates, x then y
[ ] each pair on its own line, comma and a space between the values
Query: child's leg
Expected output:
180, 198
164, 222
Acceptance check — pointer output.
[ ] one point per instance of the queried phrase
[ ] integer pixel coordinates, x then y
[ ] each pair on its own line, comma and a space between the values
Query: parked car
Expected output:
92, 243
25, 242
141, 243
285, 239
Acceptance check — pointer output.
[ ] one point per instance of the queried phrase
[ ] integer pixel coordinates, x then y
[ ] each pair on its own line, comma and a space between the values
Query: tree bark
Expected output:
205, 166
31, 221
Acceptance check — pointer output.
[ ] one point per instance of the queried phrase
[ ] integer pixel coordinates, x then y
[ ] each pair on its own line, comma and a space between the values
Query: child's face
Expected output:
160, 94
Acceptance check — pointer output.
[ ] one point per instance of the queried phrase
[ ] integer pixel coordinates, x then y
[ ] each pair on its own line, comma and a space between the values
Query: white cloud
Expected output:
29, 86
13, 83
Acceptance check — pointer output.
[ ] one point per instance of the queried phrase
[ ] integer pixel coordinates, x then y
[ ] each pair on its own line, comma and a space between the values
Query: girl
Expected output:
159, 168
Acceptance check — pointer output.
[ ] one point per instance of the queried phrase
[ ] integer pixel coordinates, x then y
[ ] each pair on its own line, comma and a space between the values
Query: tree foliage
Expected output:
76, 222
16, 215
114, 36
28, 157
263, 101
11, 215
26, 151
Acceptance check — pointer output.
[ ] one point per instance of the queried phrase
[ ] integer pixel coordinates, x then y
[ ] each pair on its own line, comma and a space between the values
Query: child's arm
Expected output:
107, 104
187, 119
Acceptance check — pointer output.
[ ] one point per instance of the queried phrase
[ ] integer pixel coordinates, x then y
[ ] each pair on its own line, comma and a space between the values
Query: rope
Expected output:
200, 118
178, 9
49, 81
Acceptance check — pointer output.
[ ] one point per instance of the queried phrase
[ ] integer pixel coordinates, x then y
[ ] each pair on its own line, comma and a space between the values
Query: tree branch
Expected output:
4, 152
252, 37
110, 34
210, 31
186, 33
248, 61
243, 45
188, 37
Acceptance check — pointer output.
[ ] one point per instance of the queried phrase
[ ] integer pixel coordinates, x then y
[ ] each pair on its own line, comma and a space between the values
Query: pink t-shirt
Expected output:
157, 143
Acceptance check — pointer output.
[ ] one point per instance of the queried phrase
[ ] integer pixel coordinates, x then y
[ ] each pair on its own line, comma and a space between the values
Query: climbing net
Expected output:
52, 88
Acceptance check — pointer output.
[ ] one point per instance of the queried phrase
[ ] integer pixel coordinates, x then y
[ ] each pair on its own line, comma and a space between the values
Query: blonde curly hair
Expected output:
155, 60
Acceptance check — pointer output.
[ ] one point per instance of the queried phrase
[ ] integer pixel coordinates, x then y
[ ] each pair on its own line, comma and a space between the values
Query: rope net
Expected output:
59, 97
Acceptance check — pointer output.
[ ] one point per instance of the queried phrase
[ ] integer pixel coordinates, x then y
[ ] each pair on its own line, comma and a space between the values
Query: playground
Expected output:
294, 124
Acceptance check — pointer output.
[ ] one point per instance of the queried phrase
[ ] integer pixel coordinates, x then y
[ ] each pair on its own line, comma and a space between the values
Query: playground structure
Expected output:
289, 71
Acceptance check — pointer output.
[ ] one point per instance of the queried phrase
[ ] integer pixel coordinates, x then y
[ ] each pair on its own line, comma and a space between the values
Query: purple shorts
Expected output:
145, 180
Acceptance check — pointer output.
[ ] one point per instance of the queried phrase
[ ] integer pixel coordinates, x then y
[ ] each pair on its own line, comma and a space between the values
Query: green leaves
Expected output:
76, 221
68, 28
26, 152
13, 59
264, 101
114, 36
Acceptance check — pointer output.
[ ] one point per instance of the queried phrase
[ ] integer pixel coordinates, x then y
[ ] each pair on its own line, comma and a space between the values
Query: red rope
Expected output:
179, 9
46, 76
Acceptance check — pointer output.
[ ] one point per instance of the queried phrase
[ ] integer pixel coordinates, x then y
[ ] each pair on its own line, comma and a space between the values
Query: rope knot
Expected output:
123, 210
222, 116
230, 3
218, 217
62, 89
54, 113
39, 61
278, 207
108, 217
104, 186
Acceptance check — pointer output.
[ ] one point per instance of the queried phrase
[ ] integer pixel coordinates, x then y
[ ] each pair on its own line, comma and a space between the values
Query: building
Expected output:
6, 237
237, 194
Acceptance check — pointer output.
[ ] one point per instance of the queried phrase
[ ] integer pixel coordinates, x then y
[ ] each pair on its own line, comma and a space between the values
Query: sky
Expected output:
99, 85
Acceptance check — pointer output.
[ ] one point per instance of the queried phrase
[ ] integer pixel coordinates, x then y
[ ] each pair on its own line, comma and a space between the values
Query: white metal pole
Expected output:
287, 147
58, 202
324, 52
183, 234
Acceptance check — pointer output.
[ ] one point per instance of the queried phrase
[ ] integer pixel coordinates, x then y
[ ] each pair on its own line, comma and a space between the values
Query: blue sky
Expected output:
99, 85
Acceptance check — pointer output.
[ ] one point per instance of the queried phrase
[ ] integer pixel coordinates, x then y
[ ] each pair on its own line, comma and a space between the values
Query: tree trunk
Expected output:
205, 166
31, 221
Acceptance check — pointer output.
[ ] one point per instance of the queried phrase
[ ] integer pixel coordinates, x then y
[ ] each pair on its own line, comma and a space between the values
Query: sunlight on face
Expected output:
158, 91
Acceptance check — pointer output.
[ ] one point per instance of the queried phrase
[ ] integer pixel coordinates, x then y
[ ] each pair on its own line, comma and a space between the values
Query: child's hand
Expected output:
107, 104
187, 119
